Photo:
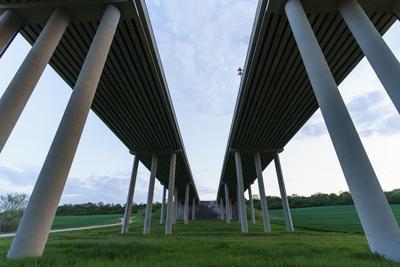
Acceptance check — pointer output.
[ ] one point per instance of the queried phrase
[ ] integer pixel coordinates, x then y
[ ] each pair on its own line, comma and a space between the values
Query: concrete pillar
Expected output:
241, 199
34, 227
379, 224
378, 53
193, 209
176, 203
150, 195
253, 216
171, 189
186, 208
230, 209
227, 204
162, 218
221, 209
282, 189
129, 200
263, 198
10, 24
17, 94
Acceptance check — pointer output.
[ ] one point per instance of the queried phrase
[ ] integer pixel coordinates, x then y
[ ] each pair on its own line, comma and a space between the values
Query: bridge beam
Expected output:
10, 24
263, 198
150, 195
378, 53
129, 200
171, 189
18, 92
240, 188
282, 189
378, 222
35, 224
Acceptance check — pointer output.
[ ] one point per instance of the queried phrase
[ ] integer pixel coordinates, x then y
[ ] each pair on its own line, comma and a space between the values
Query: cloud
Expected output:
372, 113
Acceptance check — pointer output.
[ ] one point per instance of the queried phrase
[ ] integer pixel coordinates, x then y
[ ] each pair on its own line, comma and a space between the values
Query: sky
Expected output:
201, 44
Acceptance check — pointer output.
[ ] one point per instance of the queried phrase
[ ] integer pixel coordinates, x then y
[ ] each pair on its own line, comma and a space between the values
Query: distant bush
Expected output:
11, 209
320, 199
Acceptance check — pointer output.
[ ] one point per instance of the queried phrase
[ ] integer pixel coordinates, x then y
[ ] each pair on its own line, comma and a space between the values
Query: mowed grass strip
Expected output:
62, 222
201, 243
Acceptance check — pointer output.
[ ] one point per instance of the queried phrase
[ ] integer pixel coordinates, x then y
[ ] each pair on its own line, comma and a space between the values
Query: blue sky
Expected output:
201, 43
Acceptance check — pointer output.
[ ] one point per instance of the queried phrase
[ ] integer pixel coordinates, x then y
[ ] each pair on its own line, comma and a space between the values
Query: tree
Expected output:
11, 209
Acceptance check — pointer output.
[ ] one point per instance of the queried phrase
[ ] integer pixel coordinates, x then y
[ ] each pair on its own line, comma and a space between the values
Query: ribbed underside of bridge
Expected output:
132, 98
275, 97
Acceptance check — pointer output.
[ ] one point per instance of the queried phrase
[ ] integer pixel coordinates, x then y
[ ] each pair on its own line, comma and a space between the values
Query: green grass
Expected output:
333, 218
61, 222
212, 243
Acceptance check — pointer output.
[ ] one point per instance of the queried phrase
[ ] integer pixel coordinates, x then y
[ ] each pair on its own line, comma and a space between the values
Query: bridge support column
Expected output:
171, 190
186, 207
378, 53
227, 204
263, 198
17, 94
10, 23
129, 200
150, 195
34, 227
253, 216
221, 209
162, 218
282, 189
193, 209
379, 224
176, 203
240, 188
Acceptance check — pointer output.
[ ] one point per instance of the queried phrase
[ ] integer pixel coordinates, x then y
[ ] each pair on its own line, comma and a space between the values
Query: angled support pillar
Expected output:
253, 216
35, 224
221, 209
129, 200
241, 200
186, 207
171, 190
150, 195
18, 92
378, 53
282, 189
193, 208
263, 198
162, 218
227, 204
10, 24
378, 222
176, 204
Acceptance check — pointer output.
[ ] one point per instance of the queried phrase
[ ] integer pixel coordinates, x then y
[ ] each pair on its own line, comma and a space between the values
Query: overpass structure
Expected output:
299, 52
105, 50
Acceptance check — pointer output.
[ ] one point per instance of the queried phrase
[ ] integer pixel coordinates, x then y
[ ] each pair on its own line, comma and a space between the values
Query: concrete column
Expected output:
241, 200
129, 200
186, 208
282, 189
34, 227
193, 209
378, 53
253, 216
150, 195
176, 203
17, 94
379, 224
221, 209
263, 198
10, 24
171, 189
227, 204
230, 210
162, 218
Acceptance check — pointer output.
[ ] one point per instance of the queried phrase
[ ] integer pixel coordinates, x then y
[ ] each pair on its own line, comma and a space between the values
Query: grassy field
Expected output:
61, 222
213, 243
